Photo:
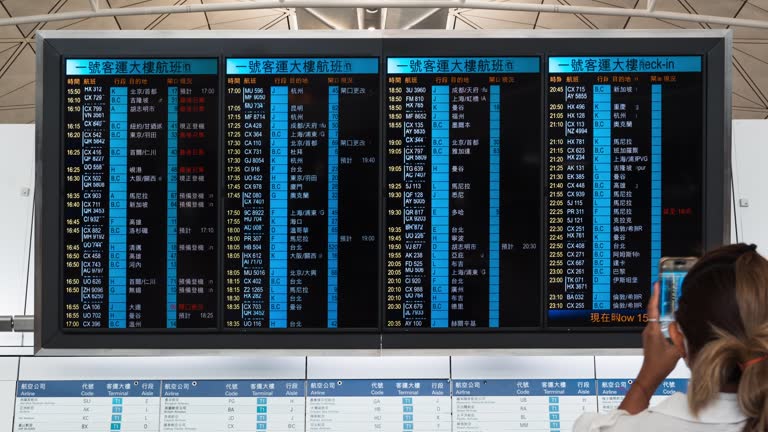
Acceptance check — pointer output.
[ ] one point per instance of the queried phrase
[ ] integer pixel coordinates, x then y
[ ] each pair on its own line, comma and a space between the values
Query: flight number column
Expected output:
416, 165
577, 203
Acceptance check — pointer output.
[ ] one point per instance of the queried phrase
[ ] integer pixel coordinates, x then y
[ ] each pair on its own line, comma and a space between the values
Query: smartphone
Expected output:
672, 271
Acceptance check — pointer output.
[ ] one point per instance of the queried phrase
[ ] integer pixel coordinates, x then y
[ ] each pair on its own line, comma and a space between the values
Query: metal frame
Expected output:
714, 45
649, 11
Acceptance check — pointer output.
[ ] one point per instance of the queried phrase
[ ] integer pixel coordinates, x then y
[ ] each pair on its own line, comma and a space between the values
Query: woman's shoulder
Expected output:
671, 414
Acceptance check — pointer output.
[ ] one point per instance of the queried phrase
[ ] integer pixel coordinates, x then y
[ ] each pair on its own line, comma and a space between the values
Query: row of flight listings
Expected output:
262, 208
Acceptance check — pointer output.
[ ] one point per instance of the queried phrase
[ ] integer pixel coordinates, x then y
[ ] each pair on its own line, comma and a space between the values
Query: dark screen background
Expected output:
682, 206
408, 243
247, 298
88, 223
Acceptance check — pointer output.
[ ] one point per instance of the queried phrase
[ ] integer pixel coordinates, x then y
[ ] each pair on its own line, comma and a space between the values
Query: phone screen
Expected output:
671, 281
671, 285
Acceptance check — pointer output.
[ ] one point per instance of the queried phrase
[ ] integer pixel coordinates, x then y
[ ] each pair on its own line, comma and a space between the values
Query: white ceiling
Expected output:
17, 45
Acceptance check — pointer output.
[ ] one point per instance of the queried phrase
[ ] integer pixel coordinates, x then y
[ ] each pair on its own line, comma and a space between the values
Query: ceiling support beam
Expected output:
360, 18
309, 4
94, 5
420, 19
383, 24
450, 21
651, 5
293, 22
323, 19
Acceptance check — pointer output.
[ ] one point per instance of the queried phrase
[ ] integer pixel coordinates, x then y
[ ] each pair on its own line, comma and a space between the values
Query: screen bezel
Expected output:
713, 45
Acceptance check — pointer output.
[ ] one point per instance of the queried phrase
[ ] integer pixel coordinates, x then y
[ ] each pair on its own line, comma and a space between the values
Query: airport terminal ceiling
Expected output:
17, 42
589, 383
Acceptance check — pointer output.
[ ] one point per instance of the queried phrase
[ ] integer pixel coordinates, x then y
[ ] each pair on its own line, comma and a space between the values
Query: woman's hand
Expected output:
659, 356
659, 359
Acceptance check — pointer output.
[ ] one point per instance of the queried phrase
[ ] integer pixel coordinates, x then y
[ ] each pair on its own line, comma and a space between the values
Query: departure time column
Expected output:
395, 270
555, 194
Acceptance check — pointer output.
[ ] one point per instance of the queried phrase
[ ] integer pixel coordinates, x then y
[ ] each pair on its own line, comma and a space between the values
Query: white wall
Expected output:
17, 174
750, 168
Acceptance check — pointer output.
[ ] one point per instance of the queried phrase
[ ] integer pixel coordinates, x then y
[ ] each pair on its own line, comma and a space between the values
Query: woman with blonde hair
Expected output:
721, 330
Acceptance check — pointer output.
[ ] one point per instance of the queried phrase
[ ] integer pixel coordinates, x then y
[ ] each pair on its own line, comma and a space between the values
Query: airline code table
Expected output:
378, 405
401, 405
541, 405
62, 406
140, 167
610, 217
610, 392
233, 406
301, 216
462, 146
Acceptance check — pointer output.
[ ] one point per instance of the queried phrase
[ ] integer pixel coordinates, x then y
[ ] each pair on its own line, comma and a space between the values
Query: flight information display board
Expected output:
462, 160
301, 208
624, 168
371, 191
140, 182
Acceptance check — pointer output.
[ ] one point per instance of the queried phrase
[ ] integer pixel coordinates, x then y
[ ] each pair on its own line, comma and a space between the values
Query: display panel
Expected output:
301, 186
232, 405
306, 270
462, 159
140, 184
611, 392
108, 405
521, 404
378, 405
624, 168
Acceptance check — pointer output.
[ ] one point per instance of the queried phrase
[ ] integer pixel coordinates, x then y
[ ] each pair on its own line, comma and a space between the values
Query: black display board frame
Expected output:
713, 45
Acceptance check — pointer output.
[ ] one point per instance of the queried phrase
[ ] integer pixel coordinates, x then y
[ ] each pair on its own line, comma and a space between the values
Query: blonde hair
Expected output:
740, 272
